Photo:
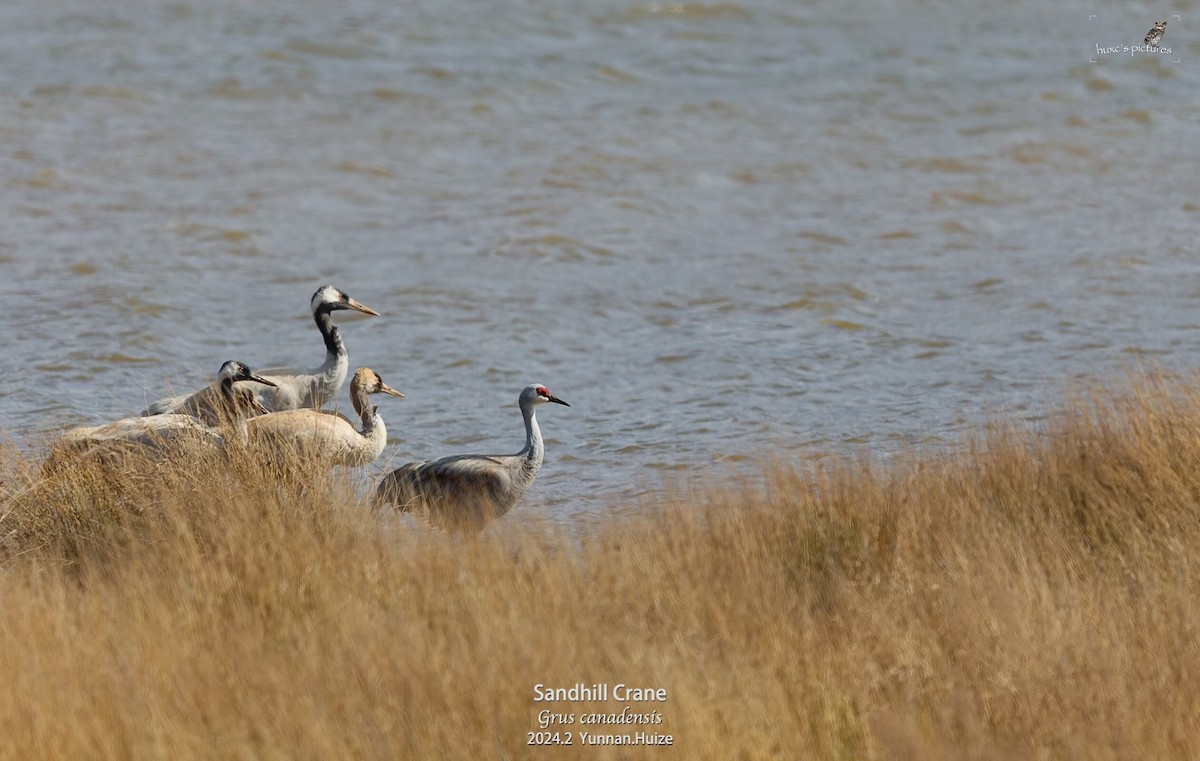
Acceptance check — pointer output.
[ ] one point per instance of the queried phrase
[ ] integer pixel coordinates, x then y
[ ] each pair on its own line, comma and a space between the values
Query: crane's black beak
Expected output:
556, 400
250, 376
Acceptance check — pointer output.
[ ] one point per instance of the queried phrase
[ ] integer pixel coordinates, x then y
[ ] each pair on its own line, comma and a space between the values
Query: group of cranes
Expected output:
292, 389
280, 409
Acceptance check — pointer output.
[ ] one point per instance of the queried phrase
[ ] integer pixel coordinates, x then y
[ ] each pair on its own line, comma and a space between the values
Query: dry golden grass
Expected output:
1032, 596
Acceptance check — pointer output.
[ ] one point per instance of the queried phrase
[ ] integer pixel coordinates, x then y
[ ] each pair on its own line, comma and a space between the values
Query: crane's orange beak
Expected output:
350, 303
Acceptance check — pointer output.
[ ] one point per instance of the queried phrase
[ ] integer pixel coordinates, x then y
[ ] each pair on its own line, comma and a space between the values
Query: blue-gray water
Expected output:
719, 230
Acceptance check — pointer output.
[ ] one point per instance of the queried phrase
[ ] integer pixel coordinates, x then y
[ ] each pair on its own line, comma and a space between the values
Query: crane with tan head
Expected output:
328, 436
466, 491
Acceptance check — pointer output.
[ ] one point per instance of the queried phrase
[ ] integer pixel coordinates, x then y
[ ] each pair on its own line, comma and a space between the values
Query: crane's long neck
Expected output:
233, 412
325, 381
374, 432
361, 401
226, 390
334, 348
534, 451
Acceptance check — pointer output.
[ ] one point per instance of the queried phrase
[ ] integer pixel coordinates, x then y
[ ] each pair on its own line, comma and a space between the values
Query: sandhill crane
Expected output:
159, 431
466, 491
295, 389
327, 435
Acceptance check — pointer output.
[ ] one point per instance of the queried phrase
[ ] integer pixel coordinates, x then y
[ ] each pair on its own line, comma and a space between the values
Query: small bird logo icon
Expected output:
1156, 33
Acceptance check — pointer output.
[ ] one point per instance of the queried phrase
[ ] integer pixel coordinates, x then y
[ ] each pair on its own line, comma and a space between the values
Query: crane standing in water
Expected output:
466, 491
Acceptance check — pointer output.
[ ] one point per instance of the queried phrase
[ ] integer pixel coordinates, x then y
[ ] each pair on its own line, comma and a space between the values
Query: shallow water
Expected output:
721, 231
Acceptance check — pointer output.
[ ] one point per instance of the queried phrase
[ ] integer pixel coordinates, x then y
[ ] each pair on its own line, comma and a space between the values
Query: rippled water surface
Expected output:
718, 230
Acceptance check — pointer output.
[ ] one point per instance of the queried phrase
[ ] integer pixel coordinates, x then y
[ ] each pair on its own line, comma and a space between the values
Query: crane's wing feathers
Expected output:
326, 436
282, 372
167, 405
465, 474
336, 414
155, 431
304, 423
448, 481
292, 390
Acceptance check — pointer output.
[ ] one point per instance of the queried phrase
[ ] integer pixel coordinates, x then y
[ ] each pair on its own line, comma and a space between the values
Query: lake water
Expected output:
721, 231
